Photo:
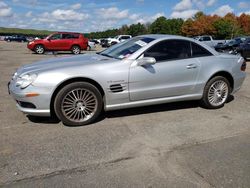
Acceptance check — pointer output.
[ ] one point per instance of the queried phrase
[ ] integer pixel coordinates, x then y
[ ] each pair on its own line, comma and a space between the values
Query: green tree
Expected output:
158, 26
136, 29
224, 28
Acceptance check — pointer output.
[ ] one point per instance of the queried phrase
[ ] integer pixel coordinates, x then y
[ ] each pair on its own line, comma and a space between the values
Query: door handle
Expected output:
191, 66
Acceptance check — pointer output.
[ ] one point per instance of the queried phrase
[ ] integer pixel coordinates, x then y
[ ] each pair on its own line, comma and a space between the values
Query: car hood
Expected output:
65, 62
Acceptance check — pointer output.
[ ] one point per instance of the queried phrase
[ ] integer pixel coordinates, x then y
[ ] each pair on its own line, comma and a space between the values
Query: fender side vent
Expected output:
117, 88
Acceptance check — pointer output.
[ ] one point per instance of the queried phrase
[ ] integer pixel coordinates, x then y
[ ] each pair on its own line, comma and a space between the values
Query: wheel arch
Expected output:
75, 45
69, 81
227, 75
39, 44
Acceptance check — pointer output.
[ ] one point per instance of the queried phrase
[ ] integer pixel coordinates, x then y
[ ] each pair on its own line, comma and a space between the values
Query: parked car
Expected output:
16, 38
244, 48
208, 40
91, 45
105, 43
145, 70
60, 41
118, 39
230, 45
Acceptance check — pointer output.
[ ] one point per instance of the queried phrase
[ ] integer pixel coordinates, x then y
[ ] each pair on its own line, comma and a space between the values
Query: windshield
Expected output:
126, 48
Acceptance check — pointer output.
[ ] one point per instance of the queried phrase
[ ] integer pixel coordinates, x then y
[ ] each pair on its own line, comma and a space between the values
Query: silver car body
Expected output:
124, 83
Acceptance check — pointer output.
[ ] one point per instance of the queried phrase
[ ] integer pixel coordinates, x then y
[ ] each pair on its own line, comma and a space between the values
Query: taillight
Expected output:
243, 66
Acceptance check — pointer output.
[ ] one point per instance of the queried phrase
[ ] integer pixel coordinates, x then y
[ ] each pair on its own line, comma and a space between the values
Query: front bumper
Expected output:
31, 46
41, 102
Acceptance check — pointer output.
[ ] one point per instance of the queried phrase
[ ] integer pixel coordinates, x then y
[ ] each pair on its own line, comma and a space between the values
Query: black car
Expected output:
244, 48
230, 45
16, 38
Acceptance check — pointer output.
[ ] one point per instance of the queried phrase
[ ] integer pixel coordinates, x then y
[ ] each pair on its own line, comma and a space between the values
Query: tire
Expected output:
216, 93
78, 103
113, 43
39, 49
75, 49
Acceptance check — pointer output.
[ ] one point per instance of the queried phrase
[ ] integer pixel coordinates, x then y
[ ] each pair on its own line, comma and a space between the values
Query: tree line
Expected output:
226, 27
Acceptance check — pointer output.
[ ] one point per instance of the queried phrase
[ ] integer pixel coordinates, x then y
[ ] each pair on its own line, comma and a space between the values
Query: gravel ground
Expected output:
170, 145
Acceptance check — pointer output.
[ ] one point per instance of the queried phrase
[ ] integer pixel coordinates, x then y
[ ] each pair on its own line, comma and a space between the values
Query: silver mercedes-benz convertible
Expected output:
145, 70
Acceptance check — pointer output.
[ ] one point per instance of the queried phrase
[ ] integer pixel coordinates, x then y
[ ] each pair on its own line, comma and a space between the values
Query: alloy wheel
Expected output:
218, 93
79, 105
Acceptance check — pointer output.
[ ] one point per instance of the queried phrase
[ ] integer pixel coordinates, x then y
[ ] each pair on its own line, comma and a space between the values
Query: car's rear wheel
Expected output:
216, 92
76, 49
39, 49
78, 103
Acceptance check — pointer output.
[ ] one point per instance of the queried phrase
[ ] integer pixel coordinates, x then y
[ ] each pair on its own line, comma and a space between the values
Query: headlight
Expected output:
25, 80
31, 42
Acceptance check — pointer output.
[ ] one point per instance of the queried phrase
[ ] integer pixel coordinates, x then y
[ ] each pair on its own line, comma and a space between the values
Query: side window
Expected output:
125, 37
205, 39
66, 36
199, 51
70, 36
169, 50
55, 36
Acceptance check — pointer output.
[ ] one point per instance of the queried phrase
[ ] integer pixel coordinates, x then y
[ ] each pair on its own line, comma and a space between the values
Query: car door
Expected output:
67, 40
54, 42
174, 73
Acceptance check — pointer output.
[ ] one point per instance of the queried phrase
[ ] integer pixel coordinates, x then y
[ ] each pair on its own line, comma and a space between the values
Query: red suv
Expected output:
61, 41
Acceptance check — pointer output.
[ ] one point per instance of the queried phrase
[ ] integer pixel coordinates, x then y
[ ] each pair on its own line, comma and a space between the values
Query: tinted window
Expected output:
55, 36
205, 39
125, 37
169, 49
70, 36
199, 51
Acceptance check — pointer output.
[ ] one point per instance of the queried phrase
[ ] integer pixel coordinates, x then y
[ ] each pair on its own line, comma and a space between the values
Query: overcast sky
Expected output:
98, 15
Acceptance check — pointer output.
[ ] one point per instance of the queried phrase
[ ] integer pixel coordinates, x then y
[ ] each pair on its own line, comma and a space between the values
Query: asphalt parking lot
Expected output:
170, 145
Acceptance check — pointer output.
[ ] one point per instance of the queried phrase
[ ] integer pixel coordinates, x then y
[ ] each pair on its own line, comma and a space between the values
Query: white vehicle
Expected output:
208, 40
118, 39
91, 45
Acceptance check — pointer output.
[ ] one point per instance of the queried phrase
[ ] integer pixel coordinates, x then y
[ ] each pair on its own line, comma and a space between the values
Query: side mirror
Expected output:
49, 39
146, 61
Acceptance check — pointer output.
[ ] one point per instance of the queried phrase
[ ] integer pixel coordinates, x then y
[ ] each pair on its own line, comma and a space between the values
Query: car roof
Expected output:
68, 33
163, 36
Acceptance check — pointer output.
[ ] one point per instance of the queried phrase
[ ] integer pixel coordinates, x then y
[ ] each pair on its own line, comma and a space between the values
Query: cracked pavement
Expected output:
169, 145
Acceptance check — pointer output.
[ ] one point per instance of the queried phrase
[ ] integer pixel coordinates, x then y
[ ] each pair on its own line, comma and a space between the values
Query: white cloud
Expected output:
211, 3
157, 15
76, 6
134, 16
183, 5
112, 13
5, 10
184, 14
223, 10
243, 5
247, 12
28, 14
60, 14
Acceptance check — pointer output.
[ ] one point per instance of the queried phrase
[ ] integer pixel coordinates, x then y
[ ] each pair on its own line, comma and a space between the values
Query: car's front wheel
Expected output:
76, 50
216, 92
39, 49
78, 103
